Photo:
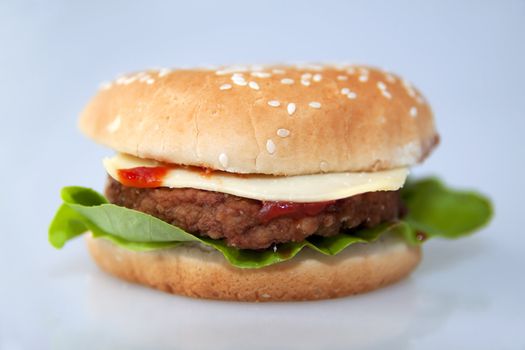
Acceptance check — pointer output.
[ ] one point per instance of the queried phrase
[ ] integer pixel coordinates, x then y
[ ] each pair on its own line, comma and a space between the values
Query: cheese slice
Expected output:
300, 188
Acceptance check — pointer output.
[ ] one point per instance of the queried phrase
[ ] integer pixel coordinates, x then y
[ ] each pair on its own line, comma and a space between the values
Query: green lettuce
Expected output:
434, 210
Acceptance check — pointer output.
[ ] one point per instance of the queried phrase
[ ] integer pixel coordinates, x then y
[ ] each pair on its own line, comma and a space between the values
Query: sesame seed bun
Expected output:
281, 120
196, 272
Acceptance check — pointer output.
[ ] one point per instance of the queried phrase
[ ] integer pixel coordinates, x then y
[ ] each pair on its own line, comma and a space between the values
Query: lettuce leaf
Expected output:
433, 209
439, 211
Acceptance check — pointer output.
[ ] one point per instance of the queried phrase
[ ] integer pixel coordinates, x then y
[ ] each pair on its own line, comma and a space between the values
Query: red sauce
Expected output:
272, 210
142, 177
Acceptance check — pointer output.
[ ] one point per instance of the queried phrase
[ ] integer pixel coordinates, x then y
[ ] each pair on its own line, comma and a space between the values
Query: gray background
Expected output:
467, 57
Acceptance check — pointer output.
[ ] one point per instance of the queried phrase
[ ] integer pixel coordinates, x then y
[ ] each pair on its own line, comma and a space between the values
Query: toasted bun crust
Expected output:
196, 272
281, 120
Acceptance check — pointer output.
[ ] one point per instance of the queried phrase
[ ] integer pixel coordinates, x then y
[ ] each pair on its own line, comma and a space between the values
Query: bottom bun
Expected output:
197, 271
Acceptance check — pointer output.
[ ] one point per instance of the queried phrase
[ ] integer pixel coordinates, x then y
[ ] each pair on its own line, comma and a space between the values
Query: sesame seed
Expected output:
253, 85
363, 78
278, 71
351, 70
270, 146
315, 105
223, 159
274, 103
413, 112
390, 78
240, 82
306, 76
420, 99
305, 82
129, 80
261, 74
342, 77
351, 95
283, 132
114, 125
323, 166
105, 85
287, 81
144, 77
317, 77
345, 91
238, 79
150, 81
363, 71
120, 80
409, 89
381, 85
163, 72
225, 87
290, 108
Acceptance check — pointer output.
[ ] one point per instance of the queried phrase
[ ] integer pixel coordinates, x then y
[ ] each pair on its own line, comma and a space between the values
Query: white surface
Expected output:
467, 57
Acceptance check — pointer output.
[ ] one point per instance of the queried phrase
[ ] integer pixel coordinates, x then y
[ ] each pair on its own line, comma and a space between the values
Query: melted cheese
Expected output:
301, 188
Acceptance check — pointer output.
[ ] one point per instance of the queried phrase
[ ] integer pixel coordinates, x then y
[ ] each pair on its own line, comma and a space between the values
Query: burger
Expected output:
263, 183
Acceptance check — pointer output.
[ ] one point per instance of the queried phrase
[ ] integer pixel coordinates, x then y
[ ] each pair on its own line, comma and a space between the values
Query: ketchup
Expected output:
142, 177
272, 210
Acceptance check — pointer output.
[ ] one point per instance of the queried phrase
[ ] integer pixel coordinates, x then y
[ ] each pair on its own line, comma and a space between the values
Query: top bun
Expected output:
280, 120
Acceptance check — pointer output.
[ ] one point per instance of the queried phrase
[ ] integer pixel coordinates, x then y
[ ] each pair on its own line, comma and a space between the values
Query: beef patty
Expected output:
238, 220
